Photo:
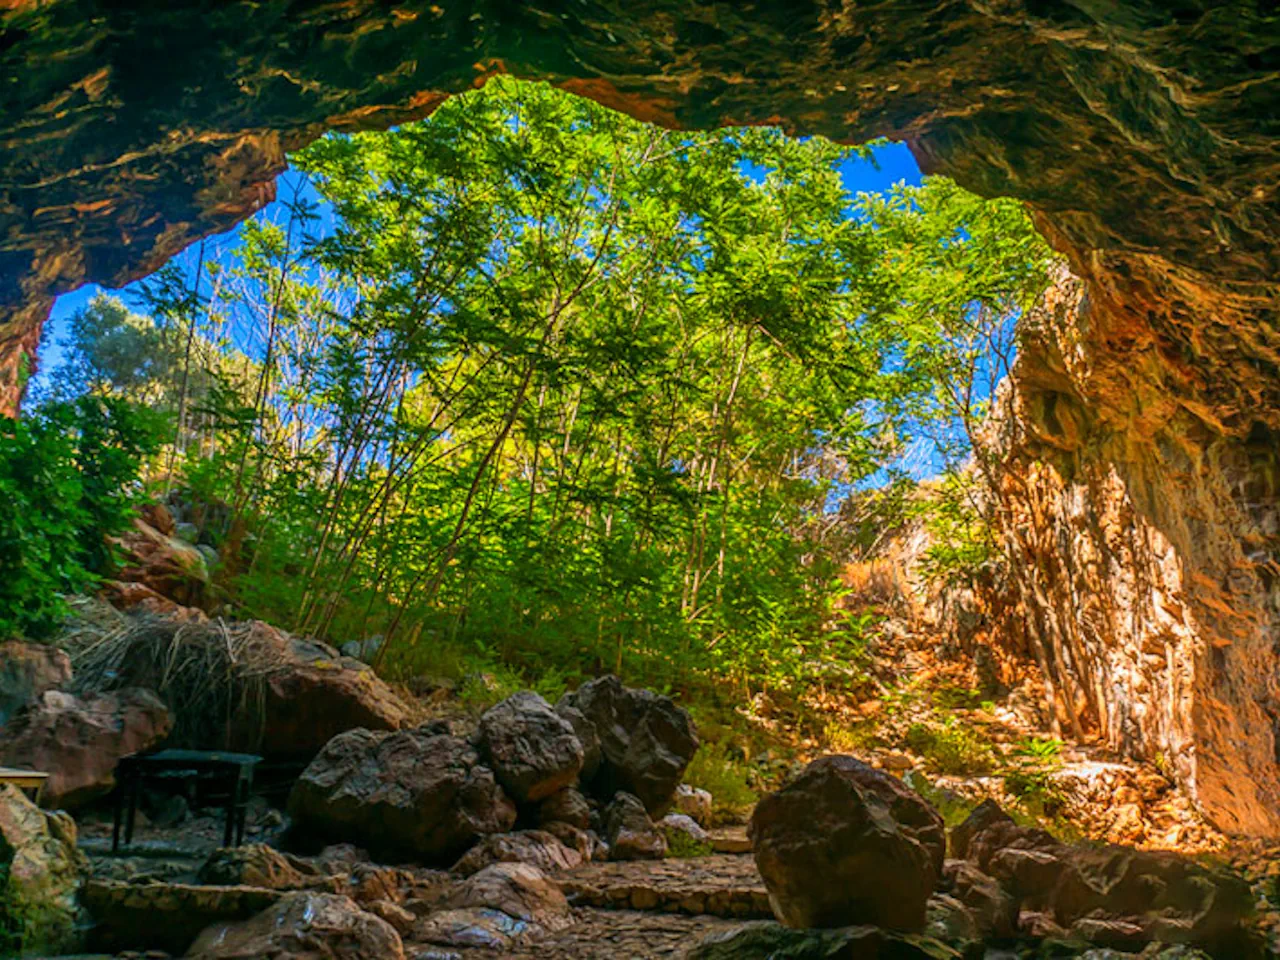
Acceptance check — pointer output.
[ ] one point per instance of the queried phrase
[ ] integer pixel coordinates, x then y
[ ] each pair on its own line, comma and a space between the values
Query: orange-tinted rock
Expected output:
79, 742
303, 926
28, 670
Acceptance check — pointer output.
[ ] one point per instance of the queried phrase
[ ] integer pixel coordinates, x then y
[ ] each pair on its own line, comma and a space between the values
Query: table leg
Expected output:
135, 792
228, 831
117, 812
242, 810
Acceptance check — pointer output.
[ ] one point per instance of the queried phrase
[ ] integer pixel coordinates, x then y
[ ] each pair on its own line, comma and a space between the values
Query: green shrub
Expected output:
1036, 790
27, 926
726, 778
68, 480
951, 747
684, 847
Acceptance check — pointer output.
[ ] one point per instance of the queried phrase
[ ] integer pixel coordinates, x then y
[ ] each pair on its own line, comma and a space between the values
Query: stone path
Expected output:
723, 885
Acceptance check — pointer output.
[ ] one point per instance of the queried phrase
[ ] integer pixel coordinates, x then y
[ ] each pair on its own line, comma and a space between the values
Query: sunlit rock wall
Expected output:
1144, 542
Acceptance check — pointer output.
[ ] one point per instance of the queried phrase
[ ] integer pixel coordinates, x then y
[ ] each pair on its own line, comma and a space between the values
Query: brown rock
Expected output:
42, 866
303, 926
79, 742
565, 806
175, 570
257, 865
412, 795
315, 695
518, 890
167, 916
534, 847
28, 670
532, 751
845, 844
630, 833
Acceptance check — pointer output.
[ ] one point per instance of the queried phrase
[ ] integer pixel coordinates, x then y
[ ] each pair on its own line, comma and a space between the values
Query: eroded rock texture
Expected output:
1142, 133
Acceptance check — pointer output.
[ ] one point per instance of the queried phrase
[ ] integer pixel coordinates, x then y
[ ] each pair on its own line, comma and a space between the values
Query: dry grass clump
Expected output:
213, 674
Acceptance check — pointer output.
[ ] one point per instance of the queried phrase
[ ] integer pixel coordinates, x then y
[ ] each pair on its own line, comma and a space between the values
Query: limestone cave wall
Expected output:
1143, 134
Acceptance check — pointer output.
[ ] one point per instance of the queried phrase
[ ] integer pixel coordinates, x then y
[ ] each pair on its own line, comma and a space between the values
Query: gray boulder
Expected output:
646, 741
410, 795
532, 751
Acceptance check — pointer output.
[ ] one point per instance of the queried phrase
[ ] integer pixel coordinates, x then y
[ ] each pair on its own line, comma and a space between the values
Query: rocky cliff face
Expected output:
1141, 132
1145, 544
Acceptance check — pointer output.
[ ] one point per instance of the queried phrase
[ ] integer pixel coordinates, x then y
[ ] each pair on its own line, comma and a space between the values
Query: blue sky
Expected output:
894, 160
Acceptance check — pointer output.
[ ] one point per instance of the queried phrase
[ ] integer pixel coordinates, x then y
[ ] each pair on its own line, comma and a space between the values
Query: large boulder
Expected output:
41, 869
303, 926
630, 833
28, 670
646, 741
411, 795
80, 742
314, 694
845, 844
532, 751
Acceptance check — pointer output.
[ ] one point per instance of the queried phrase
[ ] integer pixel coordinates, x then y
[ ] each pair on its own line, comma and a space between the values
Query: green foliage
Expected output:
951, 747
68, 478
684, 847
557, 387
26, 925
1031, 778
1036, 789
728, 779
954, 808
1045, 751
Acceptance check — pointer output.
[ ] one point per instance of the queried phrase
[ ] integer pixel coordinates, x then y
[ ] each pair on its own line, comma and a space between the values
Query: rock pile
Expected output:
845, 845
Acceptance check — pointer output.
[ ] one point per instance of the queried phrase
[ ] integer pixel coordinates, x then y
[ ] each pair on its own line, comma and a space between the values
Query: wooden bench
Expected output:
232, 772
30, 782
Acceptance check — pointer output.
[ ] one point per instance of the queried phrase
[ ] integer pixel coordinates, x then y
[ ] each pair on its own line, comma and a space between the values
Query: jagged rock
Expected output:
1107, 894
630, 833
28, 670
844, 843
171, 567
534, 847
695, 803
303, 926
476, 927
314, 695
763, 940
993, 909
519, 890
949, 920
138, 597
80, 742
587, 735
646, 741
399, 918
405, 795
583, 842
42, 867
166, 916
532, 751
565, 806
257, 865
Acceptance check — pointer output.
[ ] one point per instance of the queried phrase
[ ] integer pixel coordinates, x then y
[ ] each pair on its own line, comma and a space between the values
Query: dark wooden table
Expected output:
231, 771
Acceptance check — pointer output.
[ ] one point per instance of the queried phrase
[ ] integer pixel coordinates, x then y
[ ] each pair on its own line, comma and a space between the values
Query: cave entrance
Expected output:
535, 371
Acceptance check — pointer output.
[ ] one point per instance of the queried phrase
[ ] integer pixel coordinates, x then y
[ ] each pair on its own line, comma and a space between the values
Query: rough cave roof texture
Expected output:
1144, 134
